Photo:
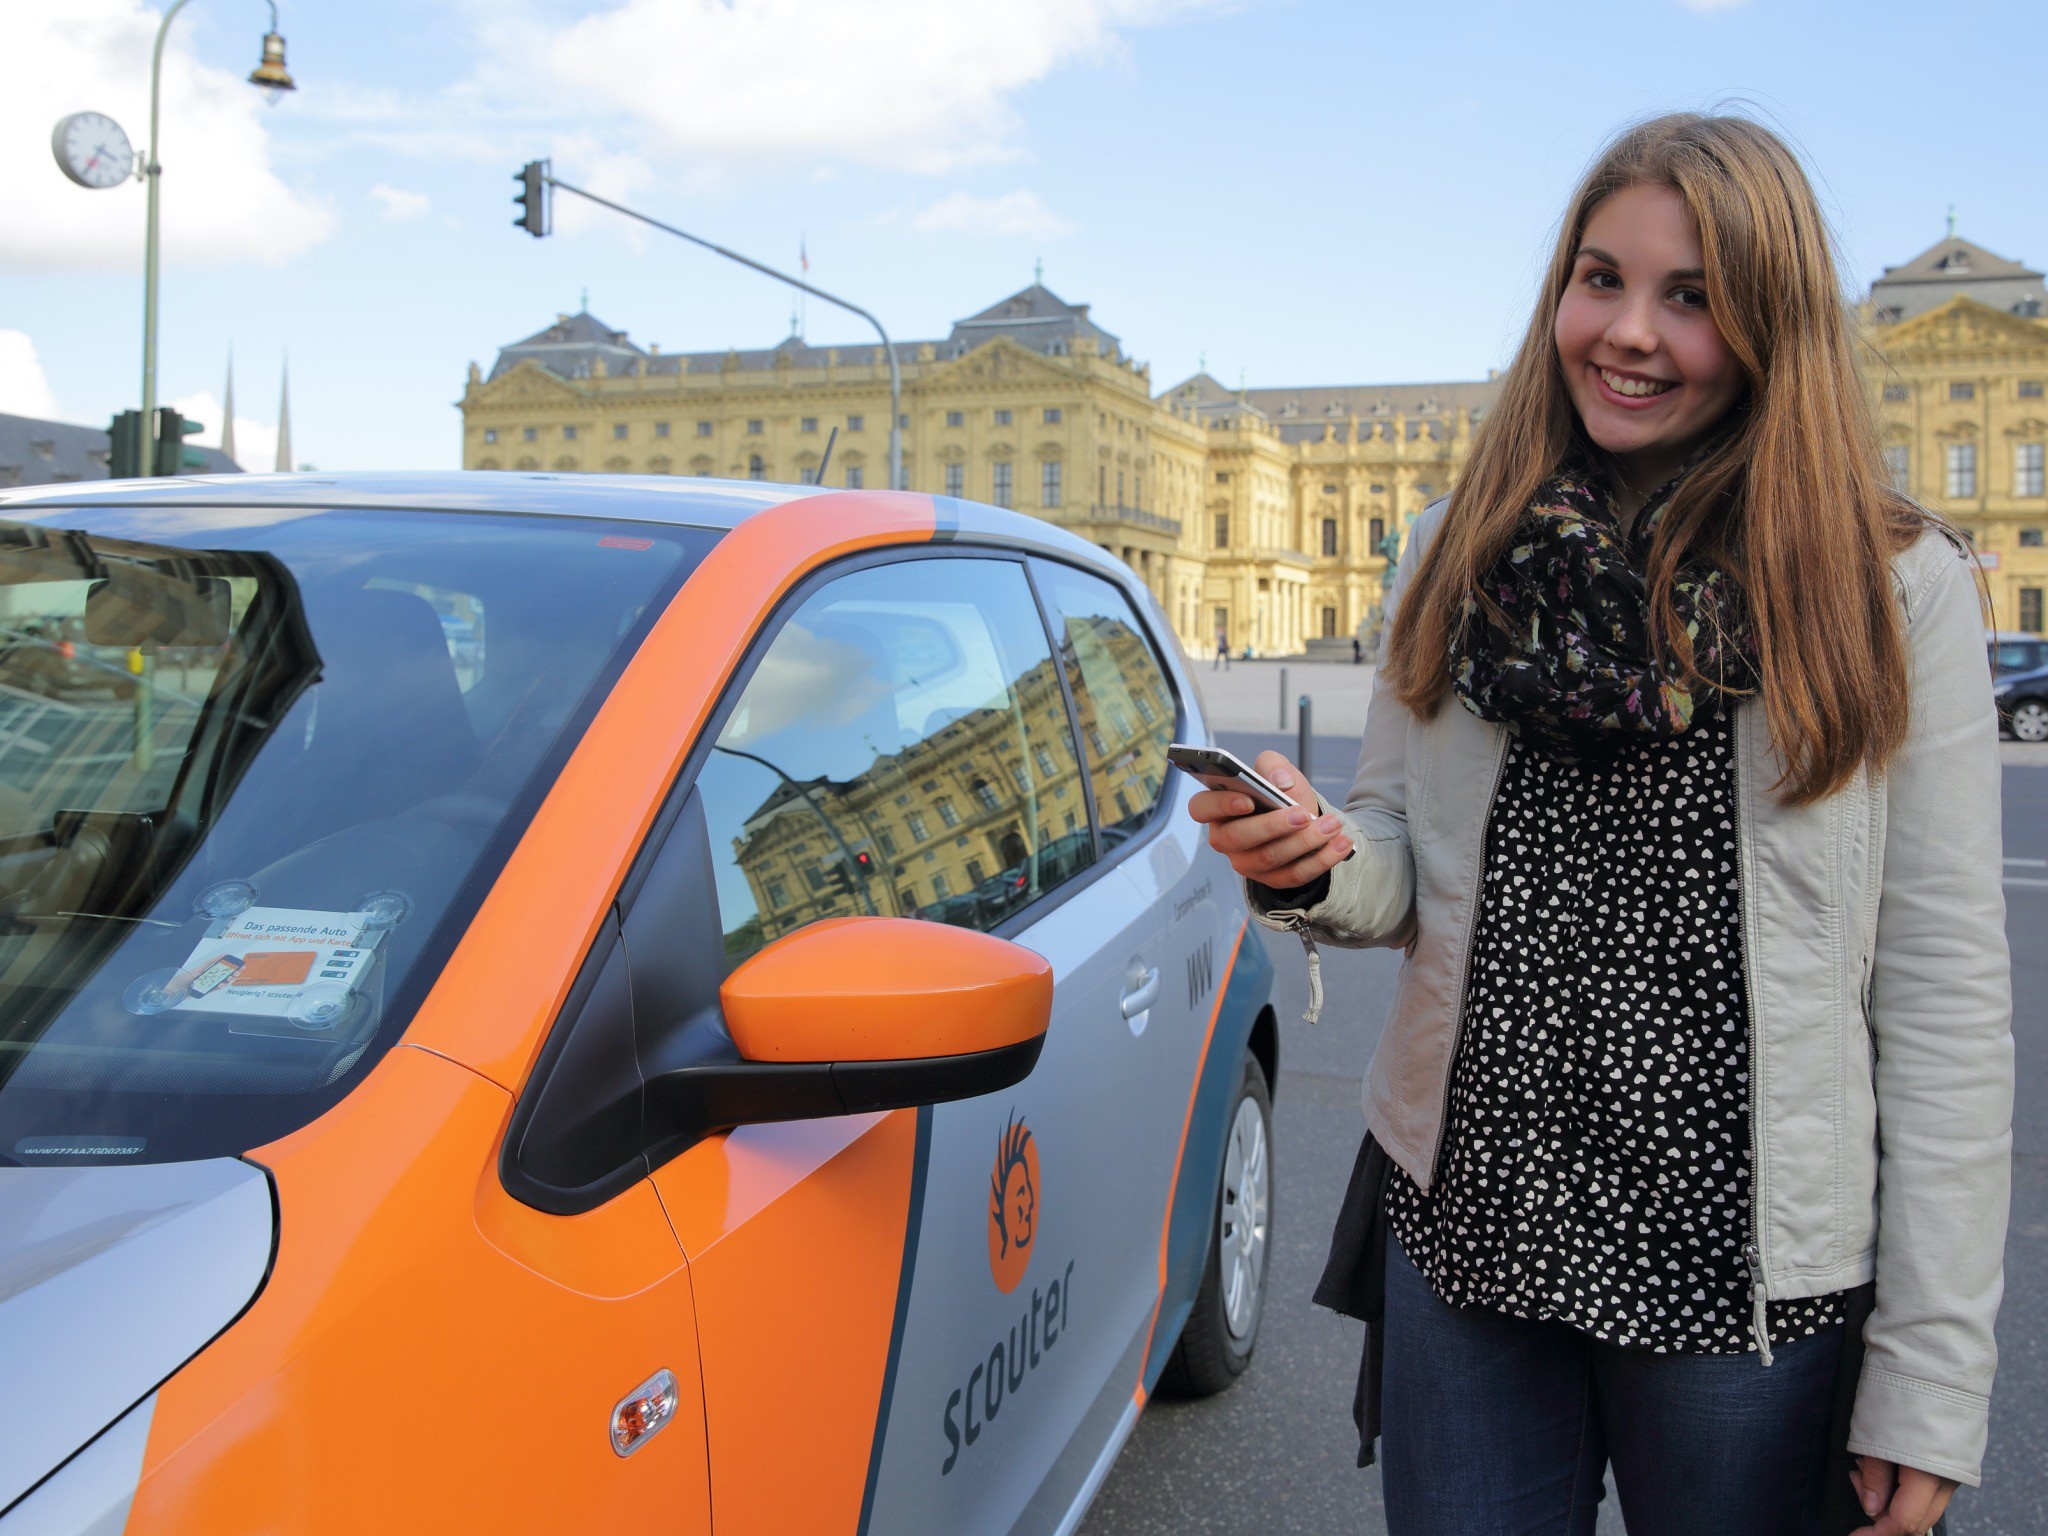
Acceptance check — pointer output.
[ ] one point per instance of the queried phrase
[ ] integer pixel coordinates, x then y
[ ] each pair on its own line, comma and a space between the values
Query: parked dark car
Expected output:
2022, 694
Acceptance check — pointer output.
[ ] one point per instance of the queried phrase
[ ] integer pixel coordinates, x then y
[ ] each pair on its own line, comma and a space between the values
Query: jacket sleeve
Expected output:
1941, 1017
1368, 899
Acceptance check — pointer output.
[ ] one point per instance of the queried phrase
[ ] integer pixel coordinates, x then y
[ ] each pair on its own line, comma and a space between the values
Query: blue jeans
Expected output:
1492, 1426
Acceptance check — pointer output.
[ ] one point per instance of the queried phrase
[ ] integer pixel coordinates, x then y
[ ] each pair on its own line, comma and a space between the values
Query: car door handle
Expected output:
1142, 993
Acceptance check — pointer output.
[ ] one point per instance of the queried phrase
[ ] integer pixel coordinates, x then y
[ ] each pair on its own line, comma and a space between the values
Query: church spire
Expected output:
284, 418
227, 413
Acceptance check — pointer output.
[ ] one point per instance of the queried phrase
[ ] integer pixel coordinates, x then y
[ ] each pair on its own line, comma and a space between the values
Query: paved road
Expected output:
1274, 1454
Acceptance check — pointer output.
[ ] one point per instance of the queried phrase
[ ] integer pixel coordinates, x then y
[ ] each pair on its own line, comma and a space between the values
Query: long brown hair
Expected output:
1791, 500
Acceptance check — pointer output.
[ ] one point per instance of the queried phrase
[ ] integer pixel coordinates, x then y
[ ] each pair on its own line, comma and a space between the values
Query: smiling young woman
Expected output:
1689, 1133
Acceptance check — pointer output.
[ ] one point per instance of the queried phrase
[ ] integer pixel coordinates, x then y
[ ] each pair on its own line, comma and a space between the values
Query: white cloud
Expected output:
23, 389
1712, 5
1012, 213
614, 174
918, 85
255, 441
222, 203
398, 205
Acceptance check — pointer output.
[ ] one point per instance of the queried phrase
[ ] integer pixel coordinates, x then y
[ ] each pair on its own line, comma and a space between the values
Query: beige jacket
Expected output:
1880, 1002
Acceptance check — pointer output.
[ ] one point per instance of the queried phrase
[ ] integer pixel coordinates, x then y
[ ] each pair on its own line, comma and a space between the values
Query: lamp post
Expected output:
271, 77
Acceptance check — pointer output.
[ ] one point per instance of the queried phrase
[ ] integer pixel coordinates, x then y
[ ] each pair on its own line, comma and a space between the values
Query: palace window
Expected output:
956, 479
756, 469
956, 418
1898, 463
754, 427
2030, 610
854, 477
490, 434
1895, 394
1119, 487
807, 474
917, 829
1223, 530
2030, 389
976, 872
1223, 477
2026, 469
778, 893
618, 431
1329, 623
1052, 416
941, 887
1376, 533
1002, 418
1329, 536
808, 424
947, 813
856, 423
1049, 483
1329, 490
568, 434
531, 434
1962, 470
985, 793
1962, 391
903, 422
1001, 495
2030, 538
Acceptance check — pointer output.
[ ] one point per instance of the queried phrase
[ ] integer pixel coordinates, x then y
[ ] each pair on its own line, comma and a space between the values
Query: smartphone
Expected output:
1216, 768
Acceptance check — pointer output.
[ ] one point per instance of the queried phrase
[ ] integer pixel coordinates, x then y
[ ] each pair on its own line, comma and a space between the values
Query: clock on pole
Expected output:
92, 150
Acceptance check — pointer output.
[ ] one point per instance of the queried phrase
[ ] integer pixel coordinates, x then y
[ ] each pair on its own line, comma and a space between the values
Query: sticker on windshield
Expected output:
274, 962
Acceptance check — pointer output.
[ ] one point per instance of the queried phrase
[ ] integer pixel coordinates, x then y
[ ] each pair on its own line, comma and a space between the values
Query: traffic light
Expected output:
172, 457
125, 446
532, 198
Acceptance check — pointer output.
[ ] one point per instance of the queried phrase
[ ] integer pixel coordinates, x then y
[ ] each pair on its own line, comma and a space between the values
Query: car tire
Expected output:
1222, 1330
2030, 720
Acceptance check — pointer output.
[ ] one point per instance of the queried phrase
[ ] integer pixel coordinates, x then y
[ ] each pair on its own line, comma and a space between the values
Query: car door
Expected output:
1130, 710
939, 1314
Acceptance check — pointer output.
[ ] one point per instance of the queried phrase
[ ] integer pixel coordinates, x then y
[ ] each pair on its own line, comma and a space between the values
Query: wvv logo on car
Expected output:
1013, 1222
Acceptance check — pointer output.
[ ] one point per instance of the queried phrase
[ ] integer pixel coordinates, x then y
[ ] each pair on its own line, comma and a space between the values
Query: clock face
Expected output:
92, 150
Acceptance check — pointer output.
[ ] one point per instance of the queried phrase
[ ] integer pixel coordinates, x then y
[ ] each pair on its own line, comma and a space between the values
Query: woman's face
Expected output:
1647, 368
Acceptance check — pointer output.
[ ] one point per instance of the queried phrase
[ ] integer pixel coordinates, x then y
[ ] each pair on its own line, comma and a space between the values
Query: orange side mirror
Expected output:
875, 989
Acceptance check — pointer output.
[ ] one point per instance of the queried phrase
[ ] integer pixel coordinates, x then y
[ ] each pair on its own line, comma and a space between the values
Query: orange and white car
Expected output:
583, 1004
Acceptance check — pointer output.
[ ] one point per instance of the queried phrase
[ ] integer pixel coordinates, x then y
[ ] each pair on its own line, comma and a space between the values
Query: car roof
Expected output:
687, 501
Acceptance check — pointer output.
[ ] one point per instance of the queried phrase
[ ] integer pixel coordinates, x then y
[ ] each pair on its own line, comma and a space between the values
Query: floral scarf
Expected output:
1572, 671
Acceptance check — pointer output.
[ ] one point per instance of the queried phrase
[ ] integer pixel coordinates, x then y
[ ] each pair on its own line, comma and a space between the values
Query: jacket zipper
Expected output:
1752, 1251
1443, 1110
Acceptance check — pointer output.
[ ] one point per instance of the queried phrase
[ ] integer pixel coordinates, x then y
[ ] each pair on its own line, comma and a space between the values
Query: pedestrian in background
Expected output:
1222, 651
1689, 1135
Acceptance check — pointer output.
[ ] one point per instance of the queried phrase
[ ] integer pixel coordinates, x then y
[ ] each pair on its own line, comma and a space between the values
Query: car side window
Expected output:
902, 750
1126, 705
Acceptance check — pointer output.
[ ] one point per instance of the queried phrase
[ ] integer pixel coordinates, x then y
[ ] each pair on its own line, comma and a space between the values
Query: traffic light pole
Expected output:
888, 349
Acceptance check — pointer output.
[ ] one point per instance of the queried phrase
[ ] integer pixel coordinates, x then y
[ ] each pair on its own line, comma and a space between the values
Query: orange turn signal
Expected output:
643, 1411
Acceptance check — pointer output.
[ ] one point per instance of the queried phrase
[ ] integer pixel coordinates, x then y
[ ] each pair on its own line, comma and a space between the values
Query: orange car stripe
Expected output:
1181, 1152
388, 1377
486, 1010
796, 1236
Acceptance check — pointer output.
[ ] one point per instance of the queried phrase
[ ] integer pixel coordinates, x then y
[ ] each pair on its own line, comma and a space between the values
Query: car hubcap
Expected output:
2030, 721
1241, 1241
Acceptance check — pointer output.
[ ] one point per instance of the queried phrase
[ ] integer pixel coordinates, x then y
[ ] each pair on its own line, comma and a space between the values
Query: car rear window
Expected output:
255, 775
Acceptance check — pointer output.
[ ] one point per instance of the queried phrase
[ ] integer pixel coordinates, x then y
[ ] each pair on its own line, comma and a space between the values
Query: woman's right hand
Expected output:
1278, 849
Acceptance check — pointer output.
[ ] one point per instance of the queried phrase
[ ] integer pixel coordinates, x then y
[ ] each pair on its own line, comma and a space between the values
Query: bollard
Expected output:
1283, 698
1304, 727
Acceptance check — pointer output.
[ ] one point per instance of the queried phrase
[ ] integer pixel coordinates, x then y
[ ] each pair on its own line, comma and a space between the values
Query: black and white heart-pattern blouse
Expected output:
1595, 1161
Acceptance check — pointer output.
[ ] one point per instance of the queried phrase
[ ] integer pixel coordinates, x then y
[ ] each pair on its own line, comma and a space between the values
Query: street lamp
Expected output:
272, 78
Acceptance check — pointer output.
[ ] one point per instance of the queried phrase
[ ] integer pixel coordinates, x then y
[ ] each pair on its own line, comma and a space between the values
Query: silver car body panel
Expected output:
111, 1277
91, 1493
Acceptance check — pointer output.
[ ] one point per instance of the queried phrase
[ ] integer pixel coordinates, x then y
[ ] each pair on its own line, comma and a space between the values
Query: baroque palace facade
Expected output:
1267, 515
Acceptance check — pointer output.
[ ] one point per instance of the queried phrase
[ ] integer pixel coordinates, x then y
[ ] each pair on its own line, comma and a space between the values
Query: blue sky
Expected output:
1307, 191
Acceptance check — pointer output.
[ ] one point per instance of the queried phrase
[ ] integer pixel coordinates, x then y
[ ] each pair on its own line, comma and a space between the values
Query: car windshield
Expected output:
256, 772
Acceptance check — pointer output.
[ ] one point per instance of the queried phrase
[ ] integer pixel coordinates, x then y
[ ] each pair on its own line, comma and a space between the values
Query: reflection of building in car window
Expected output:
937, 704
1114, 675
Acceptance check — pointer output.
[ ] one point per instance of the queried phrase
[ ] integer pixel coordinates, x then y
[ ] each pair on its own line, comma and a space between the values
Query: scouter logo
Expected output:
1012, 1204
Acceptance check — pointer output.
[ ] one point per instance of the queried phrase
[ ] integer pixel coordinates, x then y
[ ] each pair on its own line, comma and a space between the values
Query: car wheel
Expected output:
2030, 720
1216, 1345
